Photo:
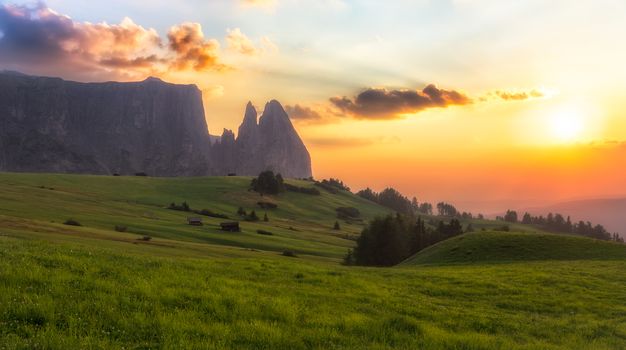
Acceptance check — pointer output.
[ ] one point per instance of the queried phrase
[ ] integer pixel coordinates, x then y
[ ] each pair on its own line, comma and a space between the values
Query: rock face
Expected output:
52, 125
270, 144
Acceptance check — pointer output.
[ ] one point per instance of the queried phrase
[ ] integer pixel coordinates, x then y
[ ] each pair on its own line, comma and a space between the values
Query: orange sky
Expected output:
528, 105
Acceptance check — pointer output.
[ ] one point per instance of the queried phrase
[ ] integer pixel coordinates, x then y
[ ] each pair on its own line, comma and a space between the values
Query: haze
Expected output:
486, 104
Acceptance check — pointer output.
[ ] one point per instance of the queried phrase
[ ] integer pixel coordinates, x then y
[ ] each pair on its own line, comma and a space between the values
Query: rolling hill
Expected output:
502, 247
192, 287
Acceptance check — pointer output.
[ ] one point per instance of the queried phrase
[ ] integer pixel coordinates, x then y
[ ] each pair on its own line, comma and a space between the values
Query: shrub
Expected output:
183, 207
72, 222
263, 232
267, 205
503, 228
145, 238
252, 216
289, 253
265, 218
336, 226
347, 213
241, 212
141, 174
305, 190
207, 212
119, 228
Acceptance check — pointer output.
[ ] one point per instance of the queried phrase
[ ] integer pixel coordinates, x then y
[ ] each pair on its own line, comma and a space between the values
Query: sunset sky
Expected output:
488, 104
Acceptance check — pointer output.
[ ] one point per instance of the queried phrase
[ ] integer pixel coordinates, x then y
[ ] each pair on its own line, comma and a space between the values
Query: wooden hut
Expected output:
194, 221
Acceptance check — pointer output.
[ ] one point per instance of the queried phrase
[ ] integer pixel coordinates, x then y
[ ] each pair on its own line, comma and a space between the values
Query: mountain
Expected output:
154, 127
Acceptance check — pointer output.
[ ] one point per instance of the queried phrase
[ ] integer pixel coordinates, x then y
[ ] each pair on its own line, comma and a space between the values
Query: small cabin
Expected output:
194, 221
230, 226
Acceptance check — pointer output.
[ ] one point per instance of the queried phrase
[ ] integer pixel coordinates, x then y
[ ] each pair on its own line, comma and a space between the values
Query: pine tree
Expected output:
336, 227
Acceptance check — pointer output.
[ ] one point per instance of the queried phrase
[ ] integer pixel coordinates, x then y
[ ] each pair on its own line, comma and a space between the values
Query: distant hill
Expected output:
488, 247
609, 212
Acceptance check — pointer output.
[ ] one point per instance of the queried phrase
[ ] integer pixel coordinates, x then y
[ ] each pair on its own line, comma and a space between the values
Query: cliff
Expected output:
53, 125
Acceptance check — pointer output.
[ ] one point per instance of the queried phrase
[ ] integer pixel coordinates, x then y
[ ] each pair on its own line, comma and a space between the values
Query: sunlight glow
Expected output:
567, 125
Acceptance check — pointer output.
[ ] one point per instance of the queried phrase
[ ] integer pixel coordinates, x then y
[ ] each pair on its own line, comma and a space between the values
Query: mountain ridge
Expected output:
149, 126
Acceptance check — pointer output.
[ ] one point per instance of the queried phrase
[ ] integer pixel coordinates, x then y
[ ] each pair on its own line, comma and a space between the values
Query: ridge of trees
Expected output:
389, 240
559, 223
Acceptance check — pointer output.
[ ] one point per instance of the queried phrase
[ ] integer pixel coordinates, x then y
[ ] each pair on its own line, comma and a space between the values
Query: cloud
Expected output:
192, 49
518, 95
344, 142
297, 112
266, 4
40, 38
239, 42
377, 103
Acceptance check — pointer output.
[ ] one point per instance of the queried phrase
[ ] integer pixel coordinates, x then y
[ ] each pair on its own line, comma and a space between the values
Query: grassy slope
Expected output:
91, 287
69, 295
488, 247
101, 202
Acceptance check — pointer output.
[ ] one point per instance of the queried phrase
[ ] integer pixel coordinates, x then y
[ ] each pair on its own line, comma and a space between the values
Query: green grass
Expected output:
67, 287
491, 247
302, 223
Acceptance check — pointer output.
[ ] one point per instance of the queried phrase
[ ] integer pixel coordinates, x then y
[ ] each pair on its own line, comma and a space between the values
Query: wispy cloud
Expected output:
238, 42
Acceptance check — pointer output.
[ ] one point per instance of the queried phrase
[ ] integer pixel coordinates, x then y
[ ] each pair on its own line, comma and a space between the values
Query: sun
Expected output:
567, 125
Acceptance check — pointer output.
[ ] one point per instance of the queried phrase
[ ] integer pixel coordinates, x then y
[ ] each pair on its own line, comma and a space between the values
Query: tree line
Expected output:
559, 223
389, 240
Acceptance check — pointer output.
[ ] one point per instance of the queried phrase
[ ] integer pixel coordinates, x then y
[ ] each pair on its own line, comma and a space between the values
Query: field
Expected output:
196, 287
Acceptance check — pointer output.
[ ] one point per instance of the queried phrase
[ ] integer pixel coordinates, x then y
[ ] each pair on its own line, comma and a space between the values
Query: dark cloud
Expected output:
297, 112
374, 103
37, 37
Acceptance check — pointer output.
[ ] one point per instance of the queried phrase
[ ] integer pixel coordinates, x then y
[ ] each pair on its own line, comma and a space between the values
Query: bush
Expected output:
72, 222
145, 238
503, 228
141, 174
336, 226
119, 228
183, 207
347, 213
267, 205
265, 218
289, 253
305, 190
263, 232
241, 212
207, 212
252, 216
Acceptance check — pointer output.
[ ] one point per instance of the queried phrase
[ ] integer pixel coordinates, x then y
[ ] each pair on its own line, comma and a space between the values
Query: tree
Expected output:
426, 208
241, 212
336, 226
252, 216
510, 216
527, 219
469, 228
265, 218
268, 183
368, 194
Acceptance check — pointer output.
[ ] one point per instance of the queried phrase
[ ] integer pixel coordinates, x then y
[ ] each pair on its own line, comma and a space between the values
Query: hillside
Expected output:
302, 223
496, 247
66, 287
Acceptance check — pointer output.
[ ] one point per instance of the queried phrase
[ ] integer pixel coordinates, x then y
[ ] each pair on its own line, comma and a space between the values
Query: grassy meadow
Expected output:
90, 287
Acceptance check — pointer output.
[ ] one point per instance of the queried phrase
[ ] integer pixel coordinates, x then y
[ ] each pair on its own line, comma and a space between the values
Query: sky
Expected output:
483, 103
